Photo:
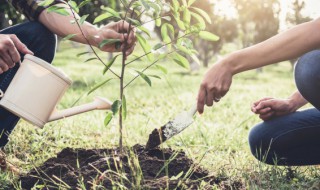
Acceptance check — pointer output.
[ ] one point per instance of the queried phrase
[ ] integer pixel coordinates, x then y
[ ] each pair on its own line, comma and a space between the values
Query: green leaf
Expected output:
112, 12
145, 30
134, 21
83, 3
180, 60
83, 53
145, 77
99, 85
74, 6
108, 41
208, 36
170, 29
58, 10
183, 49
158, 46
203, 14
180, 23
186, 16
145, 4
164, 31
175, 5
115, 107
109, 64
83, 18
145, 46
107, 119
46, 3
68, 37
90, 59
155, 76
102, 17
124, 107
162, 69
158, 22
156, 7
195, 58
201, 22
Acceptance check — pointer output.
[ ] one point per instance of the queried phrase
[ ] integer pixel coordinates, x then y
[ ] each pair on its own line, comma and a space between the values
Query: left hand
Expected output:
215, 85
268, 108
117, 30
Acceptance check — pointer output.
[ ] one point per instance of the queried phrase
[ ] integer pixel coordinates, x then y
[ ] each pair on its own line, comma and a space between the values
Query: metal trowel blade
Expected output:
172, 128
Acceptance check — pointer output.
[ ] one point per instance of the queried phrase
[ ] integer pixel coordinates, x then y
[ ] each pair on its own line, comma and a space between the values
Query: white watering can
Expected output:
37, 88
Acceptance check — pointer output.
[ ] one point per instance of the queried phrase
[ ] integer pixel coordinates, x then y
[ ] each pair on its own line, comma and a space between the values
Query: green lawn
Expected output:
220, 134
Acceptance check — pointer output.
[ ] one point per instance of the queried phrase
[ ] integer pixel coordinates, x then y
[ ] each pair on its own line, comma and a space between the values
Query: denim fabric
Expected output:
43, 44
293, 139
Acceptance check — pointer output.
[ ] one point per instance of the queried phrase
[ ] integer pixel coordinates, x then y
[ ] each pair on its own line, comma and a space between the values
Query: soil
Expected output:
106, 169
156, 138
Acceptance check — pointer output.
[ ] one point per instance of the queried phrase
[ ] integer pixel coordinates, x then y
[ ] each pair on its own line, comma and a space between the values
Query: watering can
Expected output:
37, 88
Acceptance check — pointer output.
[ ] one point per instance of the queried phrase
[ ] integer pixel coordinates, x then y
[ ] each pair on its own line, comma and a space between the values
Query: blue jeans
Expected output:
43, 44
293, 139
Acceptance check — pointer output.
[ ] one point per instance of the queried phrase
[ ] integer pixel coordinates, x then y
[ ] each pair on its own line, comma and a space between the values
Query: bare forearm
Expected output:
284, 46
65, 25
297, 100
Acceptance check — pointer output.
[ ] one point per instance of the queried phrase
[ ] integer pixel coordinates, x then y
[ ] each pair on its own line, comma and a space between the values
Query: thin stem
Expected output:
146, 69
157, 48
152, 20
88, 42
122, 78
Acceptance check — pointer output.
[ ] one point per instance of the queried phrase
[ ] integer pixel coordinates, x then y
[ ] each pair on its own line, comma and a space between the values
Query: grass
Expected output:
219, 135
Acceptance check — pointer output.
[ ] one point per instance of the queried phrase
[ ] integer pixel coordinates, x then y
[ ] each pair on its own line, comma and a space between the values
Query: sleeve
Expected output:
31, 8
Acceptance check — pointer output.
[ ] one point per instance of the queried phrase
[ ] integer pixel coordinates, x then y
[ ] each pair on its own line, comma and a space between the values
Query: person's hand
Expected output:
215, 85
268, 108
10, 46
117, 30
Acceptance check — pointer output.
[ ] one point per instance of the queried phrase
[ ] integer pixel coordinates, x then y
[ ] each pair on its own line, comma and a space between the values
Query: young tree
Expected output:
175, 43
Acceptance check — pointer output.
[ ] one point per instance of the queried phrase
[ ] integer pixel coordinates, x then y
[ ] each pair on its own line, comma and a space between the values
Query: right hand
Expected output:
10, 46
268, 108
215, 85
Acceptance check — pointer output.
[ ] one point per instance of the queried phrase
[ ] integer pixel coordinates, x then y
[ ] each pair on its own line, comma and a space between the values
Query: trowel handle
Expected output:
193, 110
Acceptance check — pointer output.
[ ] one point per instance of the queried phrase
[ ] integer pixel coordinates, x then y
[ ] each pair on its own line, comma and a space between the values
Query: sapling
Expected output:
178, 20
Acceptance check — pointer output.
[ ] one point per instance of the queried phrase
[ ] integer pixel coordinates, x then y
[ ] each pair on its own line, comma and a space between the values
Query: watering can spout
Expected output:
99, 103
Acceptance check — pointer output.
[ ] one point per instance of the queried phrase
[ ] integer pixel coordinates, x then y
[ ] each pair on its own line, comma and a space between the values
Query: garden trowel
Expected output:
174, 127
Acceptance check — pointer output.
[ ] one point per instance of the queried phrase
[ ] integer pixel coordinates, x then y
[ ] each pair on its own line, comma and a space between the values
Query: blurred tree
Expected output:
220, 25
8, 15
225, 28
259, 20
295, 17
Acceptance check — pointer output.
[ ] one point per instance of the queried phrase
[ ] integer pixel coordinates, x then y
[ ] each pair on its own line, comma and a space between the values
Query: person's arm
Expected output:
284, 46
64, 25
290, 44
268, 108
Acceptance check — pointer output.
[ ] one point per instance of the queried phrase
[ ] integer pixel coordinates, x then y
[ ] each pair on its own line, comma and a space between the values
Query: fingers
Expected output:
267, 116
263, 99
20, 47
209, 98
3, 66
201, 99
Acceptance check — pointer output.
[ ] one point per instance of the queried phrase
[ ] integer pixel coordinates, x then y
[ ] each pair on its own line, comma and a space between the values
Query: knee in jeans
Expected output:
307, 76
261, 144
307, 69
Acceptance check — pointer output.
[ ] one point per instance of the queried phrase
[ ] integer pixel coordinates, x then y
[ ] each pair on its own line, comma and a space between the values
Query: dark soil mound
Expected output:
137, 169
